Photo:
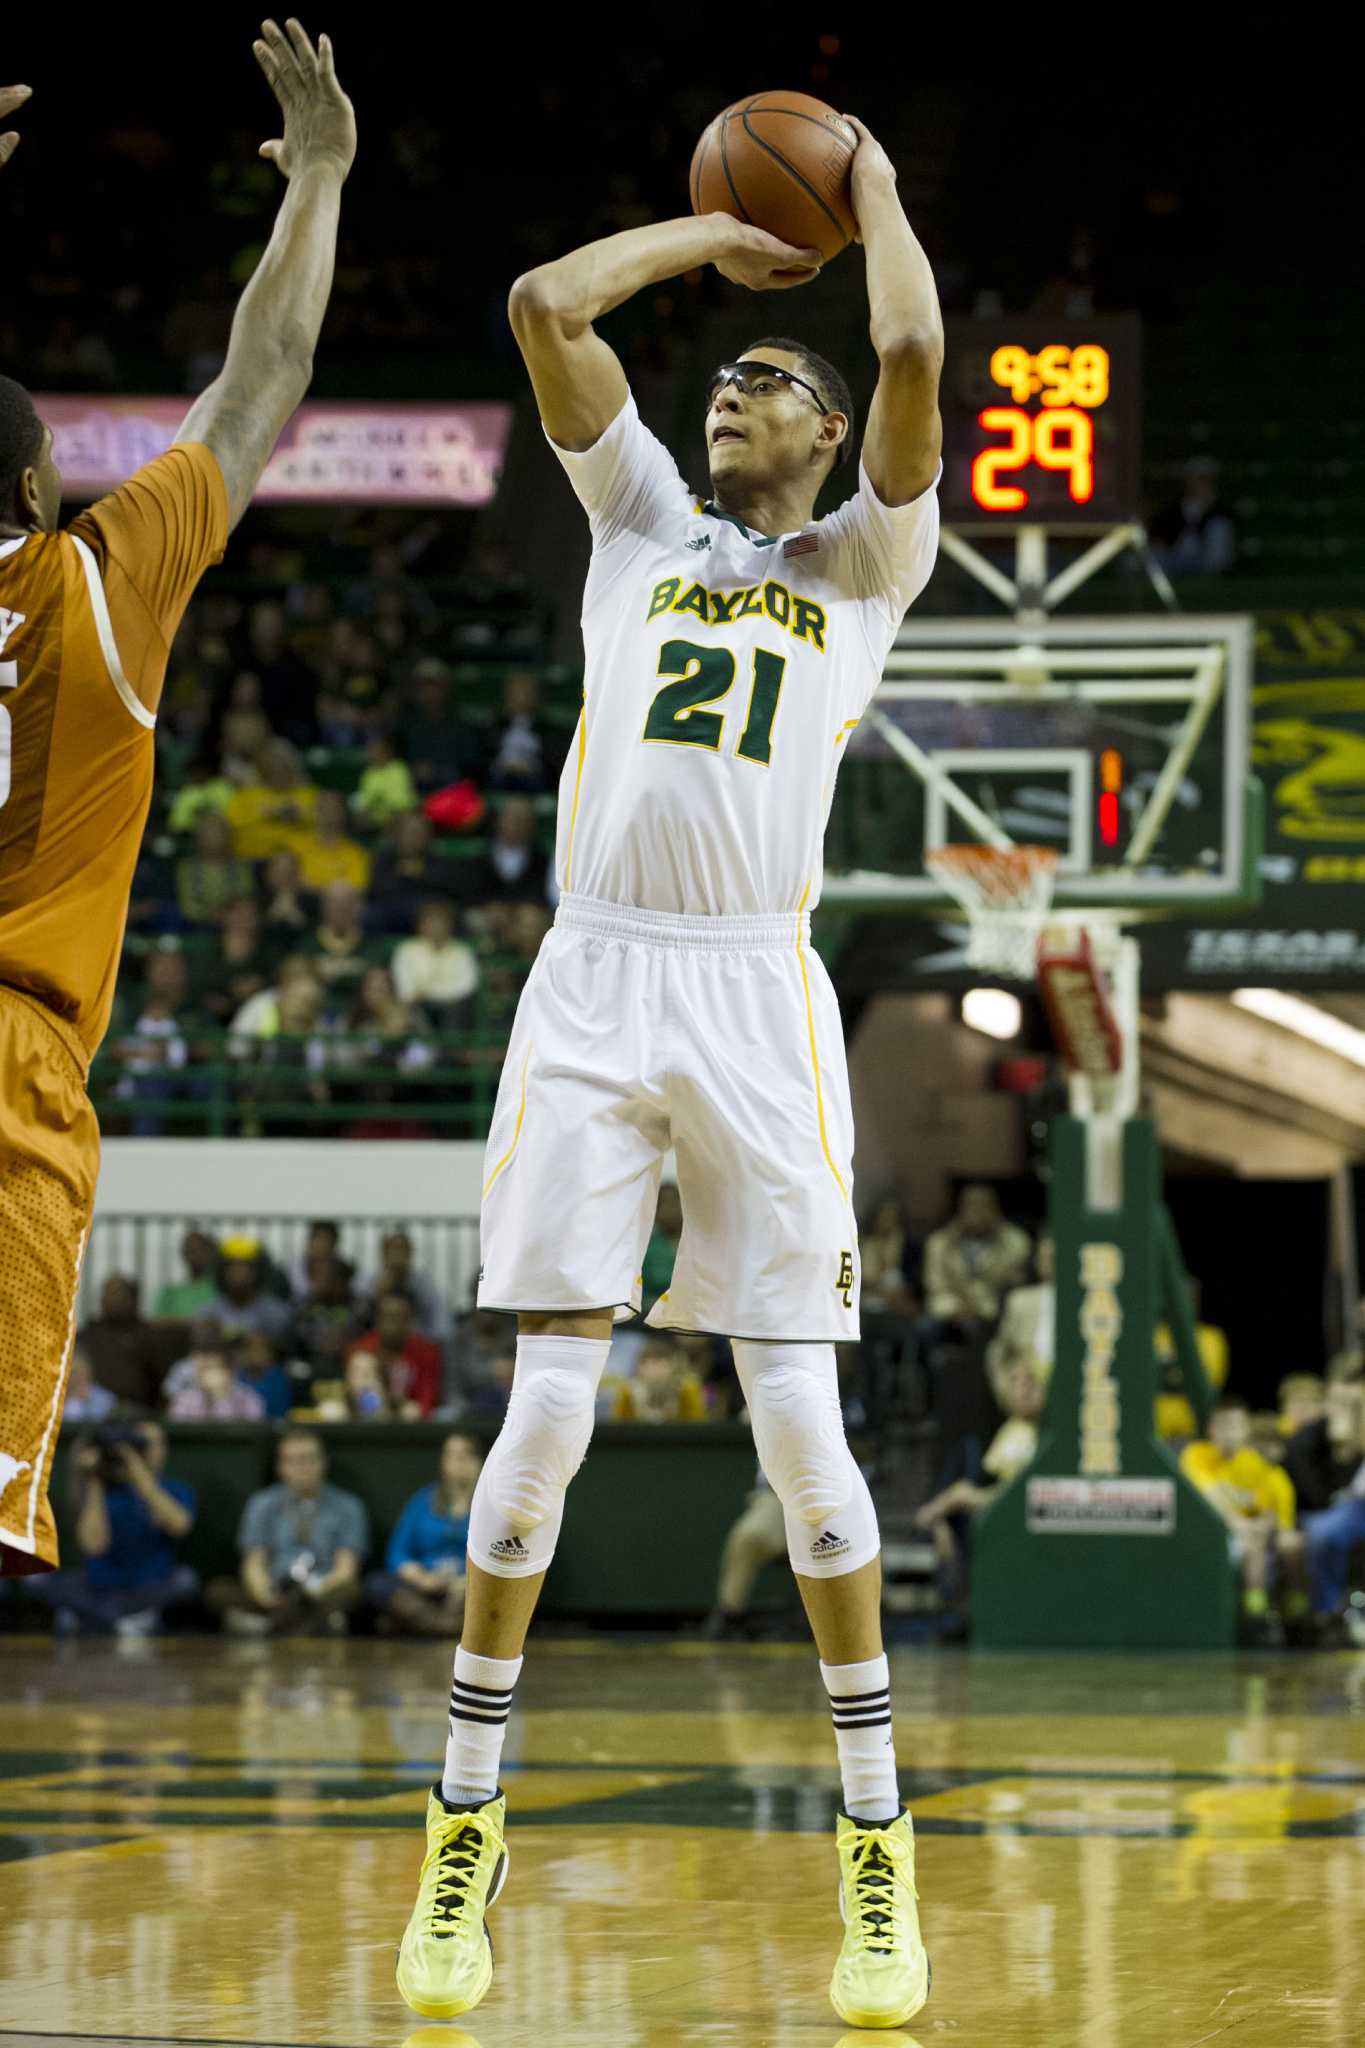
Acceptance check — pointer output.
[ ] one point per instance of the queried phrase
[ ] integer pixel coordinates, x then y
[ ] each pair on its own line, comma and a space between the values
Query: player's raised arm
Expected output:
12, 97
270, 356
578, 380
904, 432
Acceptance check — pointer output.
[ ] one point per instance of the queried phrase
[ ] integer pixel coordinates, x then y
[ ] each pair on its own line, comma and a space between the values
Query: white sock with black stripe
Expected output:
860, 1702
480, 1701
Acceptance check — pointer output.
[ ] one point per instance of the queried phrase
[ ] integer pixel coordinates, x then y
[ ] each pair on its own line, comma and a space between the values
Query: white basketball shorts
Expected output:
720, 1037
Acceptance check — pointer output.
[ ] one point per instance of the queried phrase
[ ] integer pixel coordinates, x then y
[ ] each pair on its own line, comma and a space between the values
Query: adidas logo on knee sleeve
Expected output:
830, 1545
510, 1547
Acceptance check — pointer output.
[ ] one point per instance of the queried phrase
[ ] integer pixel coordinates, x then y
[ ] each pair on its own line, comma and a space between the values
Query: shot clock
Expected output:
1040, 421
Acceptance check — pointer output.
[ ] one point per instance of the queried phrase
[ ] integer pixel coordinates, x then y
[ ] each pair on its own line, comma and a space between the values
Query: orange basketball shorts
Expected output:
49, 1163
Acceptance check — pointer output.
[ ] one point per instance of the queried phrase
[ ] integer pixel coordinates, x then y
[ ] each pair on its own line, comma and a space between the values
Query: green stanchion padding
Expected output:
1101, 1542
1175, 1291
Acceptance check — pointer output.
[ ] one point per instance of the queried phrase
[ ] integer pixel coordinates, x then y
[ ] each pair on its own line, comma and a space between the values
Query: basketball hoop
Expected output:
1005, 892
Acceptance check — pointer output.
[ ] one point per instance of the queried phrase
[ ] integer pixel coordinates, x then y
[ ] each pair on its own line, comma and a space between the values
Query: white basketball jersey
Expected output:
724, 673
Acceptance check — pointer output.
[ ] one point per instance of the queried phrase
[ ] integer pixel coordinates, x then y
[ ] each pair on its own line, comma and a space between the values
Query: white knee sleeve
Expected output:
519, 1500
792, 1391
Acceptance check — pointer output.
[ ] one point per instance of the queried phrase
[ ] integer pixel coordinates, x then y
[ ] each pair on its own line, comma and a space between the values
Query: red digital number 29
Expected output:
1063, 439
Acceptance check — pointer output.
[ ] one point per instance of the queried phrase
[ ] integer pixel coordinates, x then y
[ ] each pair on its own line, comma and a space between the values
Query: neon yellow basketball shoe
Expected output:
882, 1976
445, 1963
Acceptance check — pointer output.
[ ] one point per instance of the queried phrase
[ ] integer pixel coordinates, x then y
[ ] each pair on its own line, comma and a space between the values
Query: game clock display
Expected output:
1041, 421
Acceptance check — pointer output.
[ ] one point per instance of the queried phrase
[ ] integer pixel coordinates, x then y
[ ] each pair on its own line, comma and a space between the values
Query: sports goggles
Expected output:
759, 380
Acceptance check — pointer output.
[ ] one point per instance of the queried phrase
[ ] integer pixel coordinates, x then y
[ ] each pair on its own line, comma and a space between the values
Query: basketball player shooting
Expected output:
87, 616
732, 645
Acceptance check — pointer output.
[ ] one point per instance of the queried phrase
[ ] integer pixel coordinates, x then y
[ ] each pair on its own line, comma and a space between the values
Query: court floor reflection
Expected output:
217, 1842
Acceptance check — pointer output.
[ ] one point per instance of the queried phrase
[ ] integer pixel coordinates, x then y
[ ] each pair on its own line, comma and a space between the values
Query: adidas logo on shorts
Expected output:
829, 1545
510, 1546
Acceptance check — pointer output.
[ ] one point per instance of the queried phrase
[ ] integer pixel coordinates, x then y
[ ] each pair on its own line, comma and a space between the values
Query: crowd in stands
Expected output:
959, 1337
347, 872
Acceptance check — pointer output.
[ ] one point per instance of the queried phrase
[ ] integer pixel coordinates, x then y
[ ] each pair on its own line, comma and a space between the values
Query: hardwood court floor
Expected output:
217, 1841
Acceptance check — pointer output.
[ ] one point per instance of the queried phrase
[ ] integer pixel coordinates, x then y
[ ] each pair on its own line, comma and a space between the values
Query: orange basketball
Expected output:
781, 160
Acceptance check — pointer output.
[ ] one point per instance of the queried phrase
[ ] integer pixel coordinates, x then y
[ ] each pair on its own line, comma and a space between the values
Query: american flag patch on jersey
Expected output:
800, 544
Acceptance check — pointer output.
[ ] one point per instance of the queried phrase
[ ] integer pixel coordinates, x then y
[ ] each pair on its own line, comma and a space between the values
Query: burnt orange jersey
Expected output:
87, 617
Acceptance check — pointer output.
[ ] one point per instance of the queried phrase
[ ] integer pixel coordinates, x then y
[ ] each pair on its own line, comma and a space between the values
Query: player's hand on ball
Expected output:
11, 98
872, 167
761, 262
319, 120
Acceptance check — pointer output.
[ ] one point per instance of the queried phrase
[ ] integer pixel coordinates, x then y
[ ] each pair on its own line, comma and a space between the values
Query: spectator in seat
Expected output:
1254, 1498
1302, 1399
85, 1400
242, 966
245, 733
323, 1236
279, 1385
421, 1589
328, 1319
387, 790
398, 1275
205, 1336
1334, 1532
273, 815
947, 1517
514, 870
434, 969
1322, 1455
406, 873
179, 1301
245, 1302
972, 1262
1028, 1325
211, 878
302, 1545
288, 912
328, 853
756, 1539
429, 728
662, 1250
126, 1354
216, 1394
662, 1388
154, 1052
885, 1249
481, 1338
523, 758
338, 944
129, 1518
289, 687
361, 1394
411, 1364
1194, 534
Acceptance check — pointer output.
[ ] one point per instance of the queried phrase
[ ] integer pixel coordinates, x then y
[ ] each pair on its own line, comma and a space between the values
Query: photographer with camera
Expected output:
128, 1522
302, 1544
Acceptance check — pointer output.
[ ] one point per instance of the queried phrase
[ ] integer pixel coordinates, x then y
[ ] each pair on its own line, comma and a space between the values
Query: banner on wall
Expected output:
335, 454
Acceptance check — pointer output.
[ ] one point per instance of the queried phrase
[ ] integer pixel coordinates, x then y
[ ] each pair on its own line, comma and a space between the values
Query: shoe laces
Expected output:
876, 1857
457, 1863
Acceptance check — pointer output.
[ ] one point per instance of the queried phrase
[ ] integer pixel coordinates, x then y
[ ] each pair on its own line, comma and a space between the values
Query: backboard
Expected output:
1122, 743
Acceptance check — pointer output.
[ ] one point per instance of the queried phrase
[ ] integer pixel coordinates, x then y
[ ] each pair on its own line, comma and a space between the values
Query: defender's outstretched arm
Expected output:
270, 356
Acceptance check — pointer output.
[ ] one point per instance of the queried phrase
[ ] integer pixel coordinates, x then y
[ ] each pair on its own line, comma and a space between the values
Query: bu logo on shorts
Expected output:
844, 1284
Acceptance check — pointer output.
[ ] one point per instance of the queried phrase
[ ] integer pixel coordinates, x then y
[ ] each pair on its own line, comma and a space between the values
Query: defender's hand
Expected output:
873, 170
319, 120
12, 97
759, 261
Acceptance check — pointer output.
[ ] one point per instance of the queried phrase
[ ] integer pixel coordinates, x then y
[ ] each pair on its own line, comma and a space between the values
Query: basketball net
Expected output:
1006, 893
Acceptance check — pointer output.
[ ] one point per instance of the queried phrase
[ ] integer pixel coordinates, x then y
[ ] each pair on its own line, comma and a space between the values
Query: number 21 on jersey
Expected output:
705, 675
